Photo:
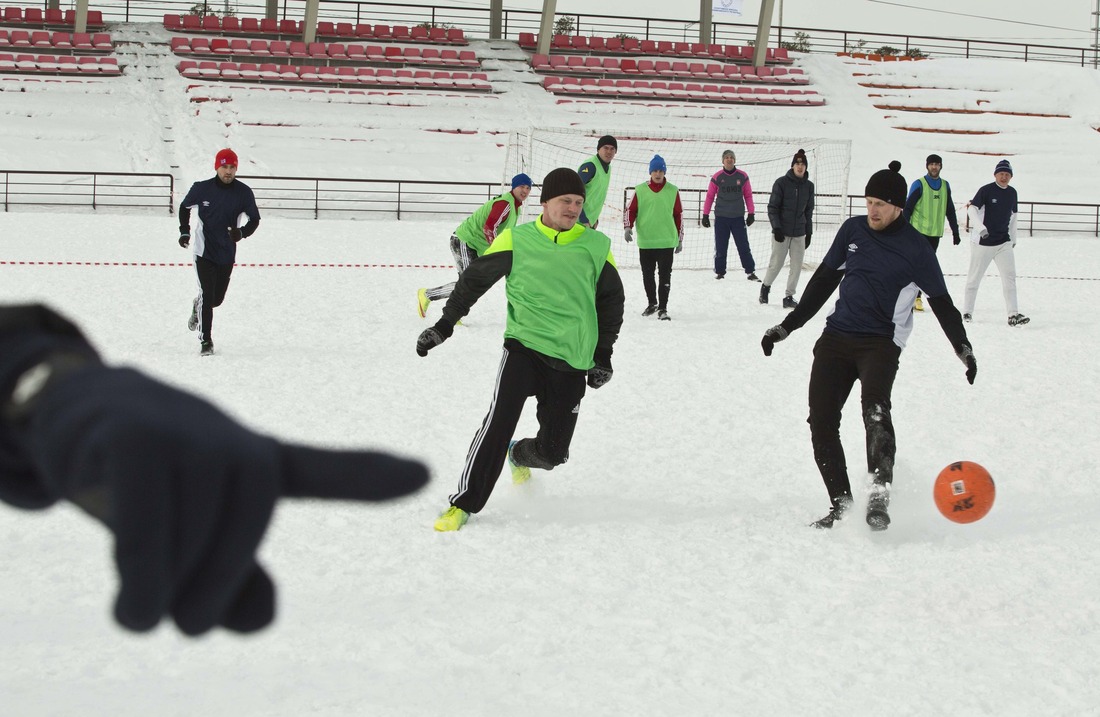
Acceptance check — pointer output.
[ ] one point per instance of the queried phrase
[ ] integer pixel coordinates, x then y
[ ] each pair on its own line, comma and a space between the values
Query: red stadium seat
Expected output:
337, 51
289, 27
468, 59
326, 29
345, 29
212, 23
56, 16
401, 33
357, 53
231, 24
33, 16
180, 45
40, 39
250, 25
199, 45
279, 48
102, 41
173, 23
527, 40
299, 49
61, 40
597, 44
192, 23
456, 36
239, 47
269, 26
219, 46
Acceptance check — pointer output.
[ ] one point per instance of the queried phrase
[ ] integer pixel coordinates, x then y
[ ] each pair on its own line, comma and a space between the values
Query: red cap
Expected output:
225, 157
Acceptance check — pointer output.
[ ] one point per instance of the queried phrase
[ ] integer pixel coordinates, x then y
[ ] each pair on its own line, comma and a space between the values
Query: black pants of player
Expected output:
213, 283
521, 374
657, 261
935, 242
838, 362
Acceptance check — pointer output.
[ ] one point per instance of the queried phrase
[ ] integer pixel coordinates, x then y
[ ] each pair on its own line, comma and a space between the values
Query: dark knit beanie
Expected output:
933, 159
1003, 166
607, 140
800, 156
562, 180
888, 185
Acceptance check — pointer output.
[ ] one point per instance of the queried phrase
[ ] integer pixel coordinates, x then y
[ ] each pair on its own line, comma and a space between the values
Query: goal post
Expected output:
692, 158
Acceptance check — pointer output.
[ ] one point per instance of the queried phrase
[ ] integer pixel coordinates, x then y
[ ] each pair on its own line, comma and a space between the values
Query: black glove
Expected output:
234, 233
430, 338
187, 491
771, 337
777, 234
601, 373
955, 238
185, 239
679, 247
808, 234
750, 220
628, 235
706, 221
966, 355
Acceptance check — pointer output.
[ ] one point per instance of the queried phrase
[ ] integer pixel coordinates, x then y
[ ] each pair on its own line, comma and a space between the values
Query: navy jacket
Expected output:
220, 207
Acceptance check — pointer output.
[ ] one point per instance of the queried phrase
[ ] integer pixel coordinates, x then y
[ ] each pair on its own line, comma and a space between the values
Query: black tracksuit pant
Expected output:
839, 360
522, 373
213, 283
659, 261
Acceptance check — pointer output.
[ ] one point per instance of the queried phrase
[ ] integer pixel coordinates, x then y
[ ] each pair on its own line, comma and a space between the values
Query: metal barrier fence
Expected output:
134, 190
346, 198
474, 21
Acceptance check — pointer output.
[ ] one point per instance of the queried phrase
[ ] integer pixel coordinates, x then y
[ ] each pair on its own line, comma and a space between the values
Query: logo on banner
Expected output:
727, 7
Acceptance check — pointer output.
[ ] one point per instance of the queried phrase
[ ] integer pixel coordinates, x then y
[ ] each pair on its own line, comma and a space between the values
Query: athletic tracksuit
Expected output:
992, 212
596, 175
791, 211
220, 208
658, 213
565, 307
731, 194
879, 274
474, 235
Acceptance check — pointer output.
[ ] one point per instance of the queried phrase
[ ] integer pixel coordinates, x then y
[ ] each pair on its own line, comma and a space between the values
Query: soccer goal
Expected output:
692, 158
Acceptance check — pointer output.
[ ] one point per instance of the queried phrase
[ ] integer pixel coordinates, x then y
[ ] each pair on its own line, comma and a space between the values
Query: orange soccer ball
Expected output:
964, 492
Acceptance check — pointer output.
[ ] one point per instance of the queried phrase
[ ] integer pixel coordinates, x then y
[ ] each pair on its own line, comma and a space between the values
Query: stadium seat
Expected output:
365, 76
456, 36
597, 44
624, 88
32, 16
287, 73
19, 38
212, 23
173, 23
249, 71
192, 23
46, 64
345, 29
269, 71
385, 76
357, 53
578, 42
664, 47
614, 44
412, 56
26, 63
229, 71
699, 49
419, 33
648, 47
289, 27
716, 52
269, 26
308, 73
299, 49
382, 32
250, 25
375, 53
593, 64
732, 73
347, 75
328, 75
56, 16
67, 64
559, 42
611, 65
443, 80
712, 93
574, 63
431, 56
401, 33
540, 63
83, 41
180, 45
189, 68
643, 88
239, 47
208, 70
95, 18
231, 24
662, 68
527, 40
765, 74
316, 50
13, 15
199, 45
393, 54
628, 66
326, 29
647, 68
680, 69
336, 51
698, 69
40, 39
716, 71
279, 48
61, 40
468, 59
219, 46
363, 29
480, 81
404, 77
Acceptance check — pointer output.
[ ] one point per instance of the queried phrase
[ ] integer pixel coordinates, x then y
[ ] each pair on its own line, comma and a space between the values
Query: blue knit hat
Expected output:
521, 180
1003, 166
657, 164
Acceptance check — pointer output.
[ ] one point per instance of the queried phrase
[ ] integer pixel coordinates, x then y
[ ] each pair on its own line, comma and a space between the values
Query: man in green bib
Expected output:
476, 233
565, 308
928, 204
658, 215
596, 175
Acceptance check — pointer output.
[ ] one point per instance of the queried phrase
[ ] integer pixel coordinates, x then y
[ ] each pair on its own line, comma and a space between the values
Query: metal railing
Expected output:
474, 21
131, 190
1035, 216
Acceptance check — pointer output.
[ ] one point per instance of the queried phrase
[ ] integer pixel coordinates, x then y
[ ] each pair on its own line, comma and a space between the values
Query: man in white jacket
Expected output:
992, 214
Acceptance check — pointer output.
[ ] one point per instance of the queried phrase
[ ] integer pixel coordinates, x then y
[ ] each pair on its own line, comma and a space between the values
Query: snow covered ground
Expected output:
667, 568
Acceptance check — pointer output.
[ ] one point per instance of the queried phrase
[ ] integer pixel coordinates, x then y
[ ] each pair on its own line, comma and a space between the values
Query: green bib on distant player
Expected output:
596, 189
931, 209
551, 289
655, 223
470, 231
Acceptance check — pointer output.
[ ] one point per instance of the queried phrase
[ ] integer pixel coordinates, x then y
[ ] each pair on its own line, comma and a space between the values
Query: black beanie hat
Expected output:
933, 159
607, 139
800, 155
562, 180
888, 185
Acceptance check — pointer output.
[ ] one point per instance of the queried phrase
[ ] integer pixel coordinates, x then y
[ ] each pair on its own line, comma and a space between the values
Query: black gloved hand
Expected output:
601, 373
679, 247
778, 235
187, 491
628, 235
808, 234
750, 220
966, 355
955, 239
234, 233
430, 338
185, 239
771, 337
706, 221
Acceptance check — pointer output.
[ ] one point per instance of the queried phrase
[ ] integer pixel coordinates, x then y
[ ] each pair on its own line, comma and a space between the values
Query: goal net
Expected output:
692, 158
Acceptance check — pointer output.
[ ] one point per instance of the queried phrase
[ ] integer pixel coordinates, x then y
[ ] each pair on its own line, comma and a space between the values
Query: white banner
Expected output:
722, 9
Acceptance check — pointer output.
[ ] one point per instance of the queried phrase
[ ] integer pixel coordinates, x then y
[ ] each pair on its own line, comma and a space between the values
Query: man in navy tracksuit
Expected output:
879, 262
221, 201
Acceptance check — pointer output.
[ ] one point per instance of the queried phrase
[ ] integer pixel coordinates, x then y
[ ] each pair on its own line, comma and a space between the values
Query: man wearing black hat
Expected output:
929, 203
882, 261
596, 175
557, 340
